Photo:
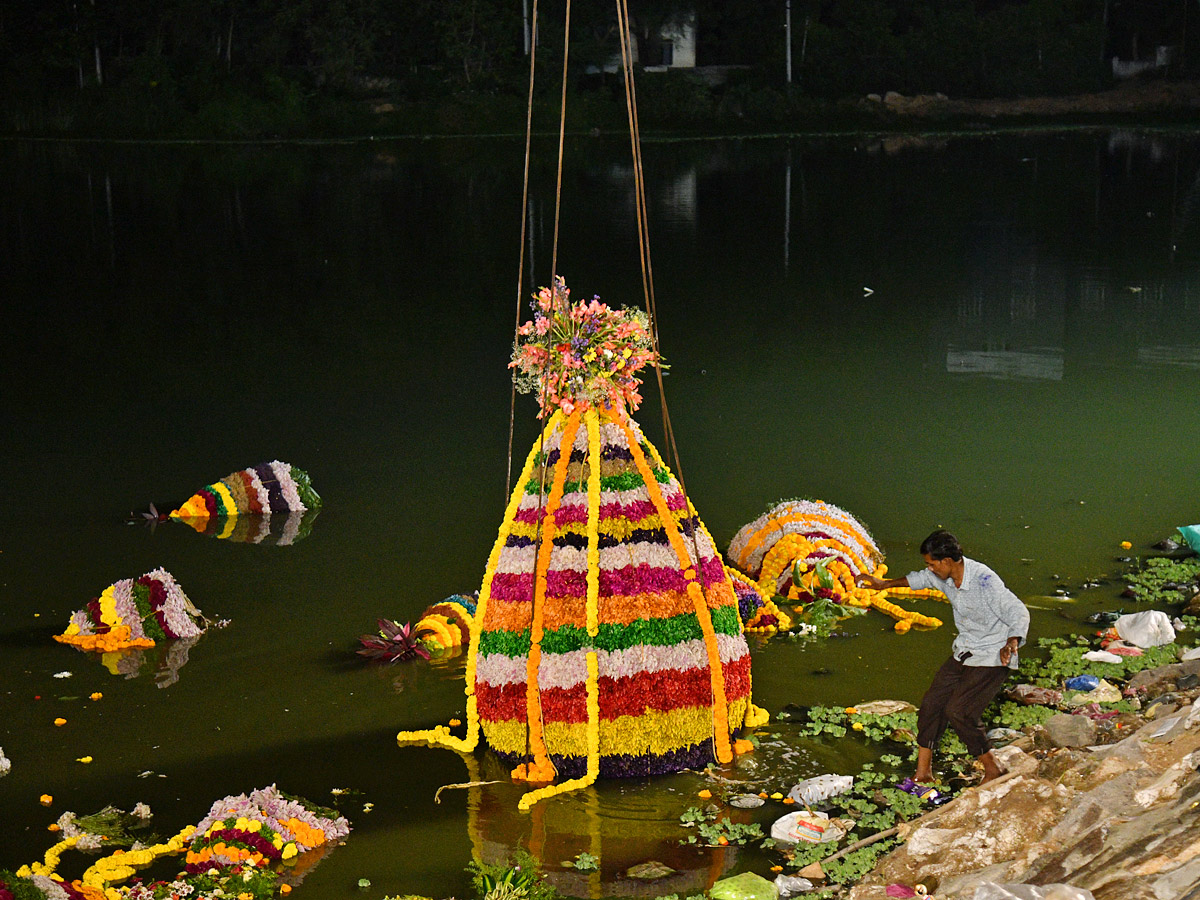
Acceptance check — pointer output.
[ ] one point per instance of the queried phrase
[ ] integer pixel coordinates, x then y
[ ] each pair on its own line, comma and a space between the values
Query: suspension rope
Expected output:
562, 128
643, 224
512, 400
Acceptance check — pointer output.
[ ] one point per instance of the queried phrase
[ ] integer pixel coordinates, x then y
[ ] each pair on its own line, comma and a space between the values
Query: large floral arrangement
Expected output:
134, 613
606, 641
237, 850
809, 550
583, 355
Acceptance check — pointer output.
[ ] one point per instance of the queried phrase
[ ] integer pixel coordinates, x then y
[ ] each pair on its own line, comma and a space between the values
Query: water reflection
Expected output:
280, 531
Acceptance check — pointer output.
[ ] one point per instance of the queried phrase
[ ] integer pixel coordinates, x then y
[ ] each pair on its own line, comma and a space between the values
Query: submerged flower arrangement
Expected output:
235, 851
810, 552
583, 355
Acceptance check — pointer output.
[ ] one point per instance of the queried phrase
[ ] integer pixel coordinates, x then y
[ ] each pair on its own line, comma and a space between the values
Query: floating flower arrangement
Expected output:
243, 506
134, 613
809, 550
607, 640
243, 848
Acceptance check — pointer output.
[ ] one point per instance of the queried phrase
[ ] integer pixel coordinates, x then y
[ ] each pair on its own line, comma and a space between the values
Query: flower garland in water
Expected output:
582, 355
808, 549
229, 853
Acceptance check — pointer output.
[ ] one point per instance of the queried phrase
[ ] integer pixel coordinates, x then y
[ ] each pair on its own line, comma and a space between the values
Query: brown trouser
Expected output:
957, 697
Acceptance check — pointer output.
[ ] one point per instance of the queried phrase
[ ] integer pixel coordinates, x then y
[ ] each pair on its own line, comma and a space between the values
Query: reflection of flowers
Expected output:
581, 356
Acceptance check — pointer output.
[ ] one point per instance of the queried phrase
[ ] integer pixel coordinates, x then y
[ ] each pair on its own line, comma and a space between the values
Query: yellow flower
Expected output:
454, 723
53, 826
97, 696
60, 721
704, 795
84, 759
285, 889
851, 710
1125, 545
857, 726
777, 796
45, 799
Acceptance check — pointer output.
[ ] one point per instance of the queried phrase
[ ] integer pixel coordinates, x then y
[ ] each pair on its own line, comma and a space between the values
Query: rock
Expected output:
884, 707
1157, 677
1160, 710
1065, 730
892, 98
1187, 682
874, 98
649, 871
812, 871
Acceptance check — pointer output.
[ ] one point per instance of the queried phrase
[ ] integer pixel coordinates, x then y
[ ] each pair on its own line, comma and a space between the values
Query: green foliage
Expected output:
20, 888
585, 862
1158, 577
1065, 660
712, 830
1010, 714
516, 877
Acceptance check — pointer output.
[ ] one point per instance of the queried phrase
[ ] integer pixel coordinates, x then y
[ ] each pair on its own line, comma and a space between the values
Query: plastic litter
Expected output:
1104, 618
1191, 536
900, 890
1120, 648
991, 891
998, 737
1103, 692
810, 827
1082, 683
1031, 694
790, 885
5, 764
1150, 628
1101, 656
1194, 653
747, 801
746, 886
822, 787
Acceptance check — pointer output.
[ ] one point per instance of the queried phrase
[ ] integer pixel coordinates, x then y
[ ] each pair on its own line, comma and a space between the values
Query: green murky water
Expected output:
999, 335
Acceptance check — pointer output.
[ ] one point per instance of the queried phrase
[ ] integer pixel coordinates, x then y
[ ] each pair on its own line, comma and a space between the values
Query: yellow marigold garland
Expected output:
441, 734
540, 768
720, 716
593, 743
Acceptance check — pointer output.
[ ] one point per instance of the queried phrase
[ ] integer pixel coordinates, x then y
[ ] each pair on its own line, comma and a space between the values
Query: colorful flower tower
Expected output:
606, 641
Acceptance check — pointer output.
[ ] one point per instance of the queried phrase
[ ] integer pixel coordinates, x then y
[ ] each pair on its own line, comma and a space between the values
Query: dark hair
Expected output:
941, 545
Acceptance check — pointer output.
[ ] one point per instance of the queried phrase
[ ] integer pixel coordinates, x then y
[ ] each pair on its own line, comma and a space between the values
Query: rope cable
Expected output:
512, 400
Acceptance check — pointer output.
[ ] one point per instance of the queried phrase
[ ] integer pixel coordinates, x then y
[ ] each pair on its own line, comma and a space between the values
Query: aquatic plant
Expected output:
394, 642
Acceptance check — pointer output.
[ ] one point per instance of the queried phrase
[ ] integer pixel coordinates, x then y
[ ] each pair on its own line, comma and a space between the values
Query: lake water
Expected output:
998, 334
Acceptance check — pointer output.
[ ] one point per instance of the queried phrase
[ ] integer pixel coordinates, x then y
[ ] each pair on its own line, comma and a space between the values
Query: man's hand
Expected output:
875, 584
1007, 651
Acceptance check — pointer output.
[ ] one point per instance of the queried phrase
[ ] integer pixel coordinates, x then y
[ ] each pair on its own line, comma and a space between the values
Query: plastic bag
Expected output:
1030, 694
812, 828
1191, 536
1103, 692
1082, 683
991, 891
1146, 629
746, 886
822, 787
788, 885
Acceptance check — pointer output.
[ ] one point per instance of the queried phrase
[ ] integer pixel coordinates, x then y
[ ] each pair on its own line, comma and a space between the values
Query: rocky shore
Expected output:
1119, 819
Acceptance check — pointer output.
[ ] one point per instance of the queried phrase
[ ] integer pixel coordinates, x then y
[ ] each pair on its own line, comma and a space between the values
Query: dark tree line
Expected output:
150, 63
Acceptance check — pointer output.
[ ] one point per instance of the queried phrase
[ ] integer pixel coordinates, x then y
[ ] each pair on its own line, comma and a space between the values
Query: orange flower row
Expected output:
719, 708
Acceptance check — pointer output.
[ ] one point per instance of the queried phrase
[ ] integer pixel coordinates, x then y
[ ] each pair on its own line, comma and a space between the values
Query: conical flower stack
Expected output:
606, 641
808, 549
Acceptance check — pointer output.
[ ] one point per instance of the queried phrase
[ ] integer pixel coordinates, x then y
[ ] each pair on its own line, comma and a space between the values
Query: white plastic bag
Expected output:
822, 787
788, 885
991, 891
812, 828
1146, 629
